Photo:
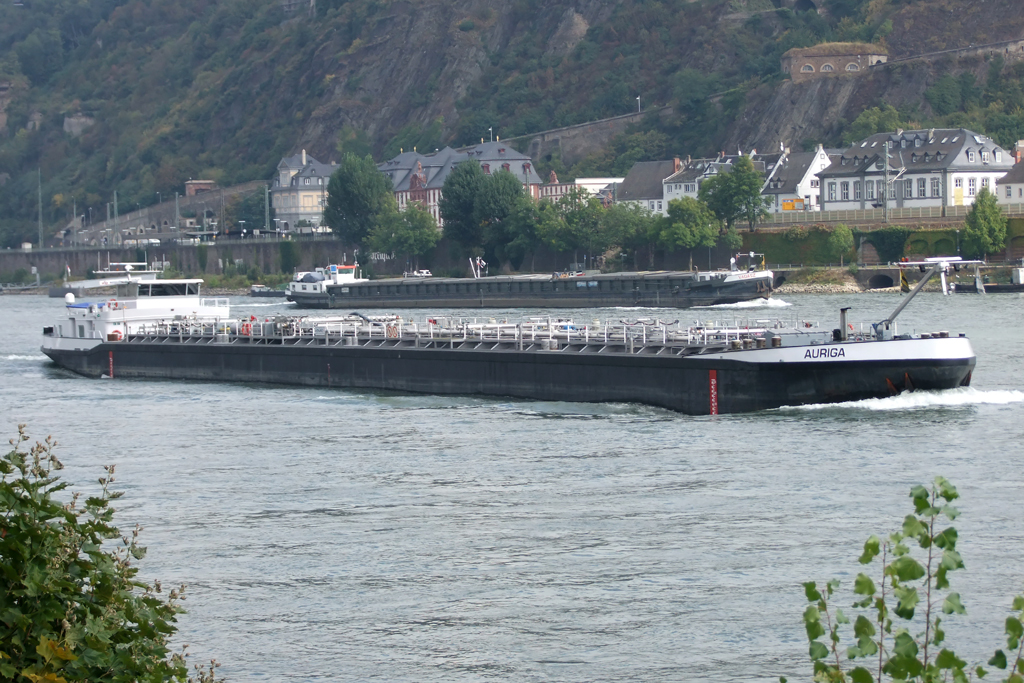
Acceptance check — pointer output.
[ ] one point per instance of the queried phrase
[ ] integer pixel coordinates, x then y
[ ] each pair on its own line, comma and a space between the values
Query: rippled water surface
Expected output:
351, 536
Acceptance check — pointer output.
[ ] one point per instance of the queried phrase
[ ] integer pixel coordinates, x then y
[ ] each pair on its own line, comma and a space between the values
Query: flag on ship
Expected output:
904, 285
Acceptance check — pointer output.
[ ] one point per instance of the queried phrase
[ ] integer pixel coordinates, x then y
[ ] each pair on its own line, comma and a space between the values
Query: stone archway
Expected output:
805, 6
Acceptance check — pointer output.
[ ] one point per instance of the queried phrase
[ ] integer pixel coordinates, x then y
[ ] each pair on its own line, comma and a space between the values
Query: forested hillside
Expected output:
141, 95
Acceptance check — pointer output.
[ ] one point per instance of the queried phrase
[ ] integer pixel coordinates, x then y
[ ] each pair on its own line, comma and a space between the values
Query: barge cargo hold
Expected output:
669, 289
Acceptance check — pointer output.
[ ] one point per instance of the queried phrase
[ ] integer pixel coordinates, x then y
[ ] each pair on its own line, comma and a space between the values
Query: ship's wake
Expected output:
914, 400
753, 303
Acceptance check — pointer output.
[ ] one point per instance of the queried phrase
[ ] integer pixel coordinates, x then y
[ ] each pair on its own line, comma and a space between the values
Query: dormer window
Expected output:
807, 68
970, 156
852, 67
917, 142
305, 181
999, 157
827, 67
984, 157
903, 143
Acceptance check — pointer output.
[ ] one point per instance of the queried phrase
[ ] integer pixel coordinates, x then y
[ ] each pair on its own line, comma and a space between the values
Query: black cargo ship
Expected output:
670, 289
165, 330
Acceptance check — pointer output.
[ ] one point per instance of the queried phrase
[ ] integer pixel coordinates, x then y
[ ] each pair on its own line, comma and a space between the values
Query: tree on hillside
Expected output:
633, 227
985, 227
736, 194
520, 230
358, 197
839, 242
688, 225
410, 233
497, 198
71, 605
250, 209
580, 227
458, 199
871, 121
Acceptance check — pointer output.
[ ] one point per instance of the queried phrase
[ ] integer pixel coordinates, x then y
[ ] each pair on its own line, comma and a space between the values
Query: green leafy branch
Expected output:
897, 631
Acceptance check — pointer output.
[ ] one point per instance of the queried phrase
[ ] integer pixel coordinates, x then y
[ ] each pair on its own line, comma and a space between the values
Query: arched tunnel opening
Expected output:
805, 6
880, 281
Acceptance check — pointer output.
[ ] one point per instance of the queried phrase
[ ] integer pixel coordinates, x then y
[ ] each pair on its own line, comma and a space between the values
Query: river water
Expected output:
354, 536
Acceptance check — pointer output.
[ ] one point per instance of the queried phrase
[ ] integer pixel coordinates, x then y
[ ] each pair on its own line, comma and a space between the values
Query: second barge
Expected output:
668, 289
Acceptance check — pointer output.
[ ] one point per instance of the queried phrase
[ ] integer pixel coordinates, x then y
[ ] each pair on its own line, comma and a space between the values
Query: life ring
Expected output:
246, 329
113, 304
117, 335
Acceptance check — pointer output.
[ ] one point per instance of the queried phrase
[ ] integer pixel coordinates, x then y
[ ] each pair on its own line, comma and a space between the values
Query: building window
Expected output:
844, 190
831, 192
691, 187
807, 68
921, 188
869, 189
1009, 192
958, 183
305, 181
908, 189
852, 67
856, 190
999, 157
936, 188
815, 182
892, 190
970, 157
984, 182
827, 67
650, 205
659, 206
984, 157
972, 187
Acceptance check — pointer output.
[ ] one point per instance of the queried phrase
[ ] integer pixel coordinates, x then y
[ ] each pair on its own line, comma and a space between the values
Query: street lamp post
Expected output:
637, 104
243, 228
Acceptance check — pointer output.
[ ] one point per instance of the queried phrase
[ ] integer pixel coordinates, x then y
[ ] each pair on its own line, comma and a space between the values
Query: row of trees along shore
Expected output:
72, 607
494, 216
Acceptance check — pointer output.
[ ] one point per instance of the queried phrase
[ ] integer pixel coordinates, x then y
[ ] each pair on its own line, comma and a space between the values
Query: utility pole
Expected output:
177, 217
885, 202
115, 209
39, 179
266, 208
74, 219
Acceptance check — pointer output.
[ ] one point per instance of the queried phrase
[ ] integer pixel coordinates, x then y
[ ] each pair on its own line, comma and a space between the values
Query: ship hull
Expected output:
732, 382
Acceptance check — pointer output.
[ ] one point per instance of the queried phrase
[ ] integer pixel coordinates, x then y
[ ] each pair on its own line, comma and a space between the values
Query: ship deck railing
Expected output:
537, 334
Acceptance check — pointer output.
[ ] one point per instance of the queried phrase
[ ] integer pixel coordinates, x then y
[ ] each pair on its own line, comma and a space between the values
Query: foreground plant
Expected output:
70, 609
897, 625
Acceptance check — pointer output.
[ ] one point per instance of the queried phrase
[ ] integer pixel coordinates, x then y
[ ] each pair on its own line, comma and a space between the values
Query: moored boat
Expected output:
670, 289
